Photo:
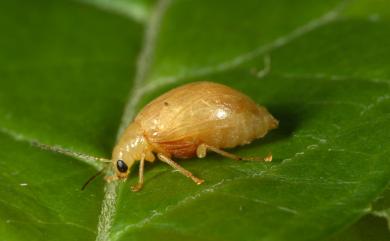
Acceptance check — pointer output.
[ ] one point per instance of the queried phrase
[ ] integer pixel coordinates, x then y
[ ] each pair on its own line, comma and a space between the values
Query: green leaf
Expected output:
65, 71
367, 228
381, 207
320, 67
372, 226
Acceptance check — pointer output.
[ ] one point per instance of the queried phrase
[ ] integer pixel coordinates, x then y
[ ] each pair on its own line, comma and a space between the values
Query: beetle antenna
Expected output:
101, 159
92, 178
70, 153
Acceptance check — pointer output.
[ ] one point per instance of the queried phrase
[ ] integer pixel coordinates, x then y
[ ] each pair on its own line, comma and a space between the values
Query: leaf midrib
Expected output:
144, 60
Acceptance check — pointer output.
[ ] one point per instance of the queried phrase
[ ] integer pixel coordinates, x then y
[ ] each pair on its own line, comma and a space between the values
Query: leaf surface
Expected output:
320, 68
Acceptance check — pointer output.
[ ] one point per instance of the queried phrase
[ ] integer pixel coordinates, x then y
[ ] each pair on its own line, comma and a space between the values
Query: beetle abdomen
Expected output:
203, 112
241, 129
180, 148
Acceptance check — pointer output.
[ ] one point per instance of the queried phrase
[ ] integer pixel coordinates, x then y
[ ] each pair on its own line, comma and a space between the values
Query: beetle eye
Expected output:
121, 165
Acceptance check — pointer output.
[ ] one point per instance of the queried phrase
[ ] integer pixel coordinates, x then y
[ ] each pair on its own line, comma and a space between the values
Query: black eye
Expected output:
121, 165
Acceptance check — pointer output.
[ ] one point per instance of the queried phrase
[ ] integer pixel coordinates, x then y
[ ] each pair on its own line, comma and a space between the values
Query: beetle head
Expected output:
132, 146
122, 161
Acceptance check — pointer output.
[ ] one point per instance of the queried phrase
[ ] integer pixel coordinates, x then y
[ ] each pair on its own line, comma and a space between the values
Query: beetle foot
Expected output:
137, 187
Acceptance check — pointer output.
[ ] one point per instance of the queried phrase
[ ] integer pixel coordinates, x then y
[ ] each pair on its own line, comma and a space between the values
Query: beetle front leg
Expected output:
140, 184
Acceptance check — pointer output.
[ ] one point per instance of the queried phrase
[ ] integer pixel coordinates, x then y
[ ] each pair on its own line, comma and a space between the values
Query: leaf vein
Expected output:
128, 9
90, 160
145, 58
325, 19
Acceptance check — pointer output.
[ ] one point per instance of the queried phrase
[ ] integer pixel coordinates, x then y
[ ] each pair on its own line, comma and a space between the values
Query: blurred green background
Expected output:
74, 73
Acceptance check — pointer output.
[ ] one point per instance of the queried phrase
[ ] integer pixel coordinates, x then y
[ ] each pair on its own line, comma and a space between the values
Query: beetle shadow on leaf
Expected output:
290, 117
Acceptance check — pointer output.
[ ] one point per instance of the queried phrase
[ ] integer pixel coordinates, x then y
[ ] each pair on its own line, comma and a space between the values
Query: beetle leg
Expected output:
202, 149
139, 185
176, 166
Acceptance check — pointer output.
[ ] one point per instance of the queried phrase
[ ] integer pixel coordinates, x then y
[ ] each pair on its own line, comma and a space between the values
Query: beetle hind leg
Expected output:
201, 152
176, 166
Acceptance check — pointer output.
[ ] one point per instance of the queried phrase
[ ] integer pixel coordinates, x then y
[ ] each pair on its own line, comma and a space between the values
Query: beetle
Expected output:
186, 122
